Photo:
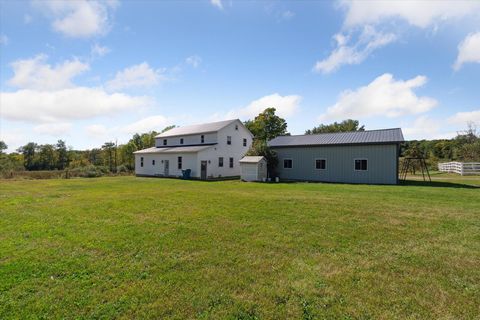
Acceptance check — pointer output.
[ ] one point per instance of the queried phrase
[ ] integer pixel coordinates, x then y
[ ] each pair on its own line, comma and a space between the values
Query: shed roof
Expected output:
251, 159
172, 150
383, 136
196, 129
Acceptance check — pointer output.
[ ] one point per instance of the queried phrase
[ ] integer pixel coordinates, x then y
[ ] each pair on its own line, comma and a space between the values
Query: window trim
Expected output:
355, 160
141, 162
284, 163
164, 142
231, 162
181, 140
229, 140
220, 163
315, 164
202, 138
245, 142
179, 163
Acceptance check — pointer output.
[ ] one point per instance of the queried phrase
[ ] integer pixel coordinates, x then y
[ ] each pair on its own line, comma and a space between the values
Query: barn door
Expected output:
166, 168
203, 170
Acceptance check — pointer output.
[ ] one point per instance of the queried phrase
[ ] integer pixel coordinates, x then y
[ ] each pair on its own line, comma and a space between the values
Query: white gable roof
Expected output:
251, 159
189, 149
196, 129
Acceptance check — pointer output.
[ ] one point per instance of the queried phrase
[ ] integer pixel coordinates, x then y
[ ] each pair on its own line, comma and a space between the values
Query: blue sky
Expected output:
90, 72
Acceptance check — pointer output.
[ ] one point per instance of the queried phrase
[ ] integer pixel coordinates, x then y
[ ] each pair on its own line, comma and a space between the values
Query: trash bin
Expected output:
186, 173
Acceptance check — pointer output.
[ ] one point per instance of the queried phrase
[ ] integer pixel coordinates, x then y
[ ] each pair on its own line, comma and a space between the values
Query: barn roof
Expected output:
196, 129
251, 159
383, 136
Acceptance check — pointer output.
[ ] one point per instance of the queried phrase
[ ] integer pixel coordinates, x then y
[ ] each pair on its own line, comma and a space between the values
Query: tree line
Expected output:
111, 157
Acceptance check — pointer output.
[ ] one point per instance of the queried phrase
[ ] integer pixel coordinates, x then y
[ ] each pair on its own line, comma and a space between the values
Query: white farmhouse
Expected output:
210, 150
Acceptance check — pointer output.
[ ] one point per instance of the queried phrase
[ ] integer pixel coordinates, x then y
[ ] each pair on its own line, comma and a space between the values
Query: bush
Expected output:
90, 171
122, 169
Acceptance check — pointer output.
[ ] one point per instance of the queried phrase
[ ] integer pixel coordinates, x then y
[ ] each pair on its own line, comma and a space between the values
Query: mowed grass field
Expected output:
143, 248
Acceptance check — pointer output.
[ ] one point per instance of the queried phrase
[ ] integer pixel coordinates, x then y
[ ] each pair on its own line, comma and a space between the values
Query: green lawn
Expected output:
131, 247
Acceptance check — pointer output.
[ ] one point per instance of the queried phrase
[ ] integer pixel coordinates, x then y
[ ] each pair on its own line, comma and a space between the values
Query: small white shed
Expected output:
253, 168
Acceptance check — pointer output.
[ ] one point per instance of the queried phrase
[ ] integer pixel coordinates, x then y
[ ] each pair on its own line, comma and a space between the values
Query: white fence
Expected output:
463, 168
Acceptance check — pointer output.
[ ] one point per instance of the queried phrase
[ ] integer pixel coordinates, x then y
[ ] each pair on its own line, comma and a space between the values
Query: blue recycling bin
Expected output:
186, 173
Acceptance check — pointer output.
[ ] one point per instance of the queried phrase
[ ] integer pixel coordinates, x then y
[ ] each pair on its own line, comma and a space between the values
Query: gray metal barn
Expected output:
350, 157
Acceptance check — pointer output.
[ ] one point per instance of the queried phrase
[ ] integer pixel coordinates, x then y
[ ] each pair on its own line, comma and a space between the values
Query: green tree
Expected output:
3, 146
267, 125
109, 147
29, 151
46, 157
62, 155
260, 148
344, 126
168, 128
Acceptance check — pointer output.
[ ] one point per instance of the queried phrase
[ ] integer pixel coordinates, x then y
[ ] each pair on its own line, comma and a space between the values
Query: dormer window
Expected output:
229, 140
181, 140
164, 142
202, 138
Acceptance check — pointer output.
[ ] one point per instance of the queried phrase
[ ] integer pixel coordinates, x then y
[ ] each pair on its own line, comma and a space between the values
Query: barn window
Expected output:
229, 140
361, 164
164, 142
181, 140
231, 162
153, 162
202, 138
287, 163
320, 164
220, 161
179, 162
244, 142
141, 161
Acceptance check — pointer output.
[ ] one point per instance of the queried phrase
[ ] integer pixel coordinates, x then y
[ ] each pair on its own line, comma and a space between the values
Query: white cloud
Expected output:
466, 117
421, 14
80, 18
468, 50
425, 127
370, 14
27, 19
346, 53
140, 75
36, 74
147, 124
65, 104
98, 50
285, 106
3, 40
194, 61
217, 3
53, 129
96, 131
287, 15
384, 96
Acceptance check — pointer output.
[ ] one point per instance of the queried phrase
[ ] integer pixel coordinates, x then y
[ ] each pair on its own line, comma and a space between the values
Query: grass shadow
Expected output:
440, 184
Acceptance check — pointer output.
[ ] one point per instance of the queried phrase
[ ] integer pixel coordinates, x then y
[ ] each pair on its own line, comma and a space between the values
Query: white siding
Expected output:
253, 171
192, 161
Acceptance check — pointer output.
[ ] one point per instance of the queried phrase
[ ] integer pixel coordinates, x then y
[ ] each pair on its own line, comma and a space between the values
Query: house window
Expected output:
244, 142
153, 162
220, 161
287, 163
164, 142
236, 127
141, 161
181, 140
179, 162
320, 164
231, 162
202, 138
361, 165
229, 140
